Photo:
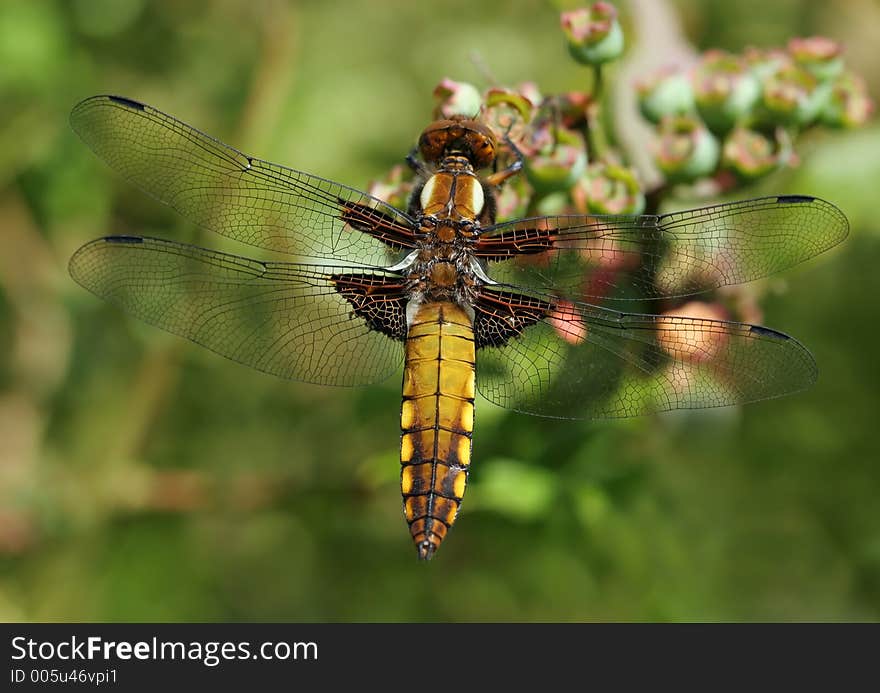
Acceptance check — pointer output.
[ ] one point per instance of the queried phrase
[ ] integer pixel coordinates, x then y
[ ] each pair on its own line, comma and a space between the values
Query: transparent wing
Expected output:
583, 361
675, 254
281, 318
253, 201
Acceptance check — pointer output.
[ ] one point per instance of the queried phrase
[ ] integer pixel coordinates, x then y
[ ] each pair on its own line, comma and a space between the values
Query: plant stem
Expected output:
596, 138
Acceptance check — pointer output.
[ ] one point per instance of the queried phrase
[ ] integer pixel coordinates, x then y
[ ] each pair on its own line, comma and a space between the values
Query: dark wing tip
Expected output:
843, 222
122, 239
795, 199
79, 264
798, 356
768, 332
112, 98
130, 103
79, 113
840, 223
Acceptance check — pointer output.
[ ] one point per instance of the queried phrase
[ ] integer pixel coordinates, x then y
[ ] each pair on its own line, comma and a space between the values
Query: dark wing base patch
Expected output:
380, 302
514, 242
502, 315
377, 224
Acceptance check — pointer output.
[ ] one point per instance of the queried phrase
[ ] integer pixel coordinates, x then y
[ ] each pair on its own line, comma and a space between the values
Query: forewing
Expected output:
582, 361
285, 319
654, 256
236, 195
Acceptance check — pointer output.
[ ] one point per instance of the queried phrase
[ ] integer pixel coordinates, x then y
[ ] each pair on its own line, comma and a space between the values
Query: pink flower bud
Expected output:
725, 90
666, 91
456, 98
683, 341
819, 55
685, 150
593, 33
608, 189
849, 104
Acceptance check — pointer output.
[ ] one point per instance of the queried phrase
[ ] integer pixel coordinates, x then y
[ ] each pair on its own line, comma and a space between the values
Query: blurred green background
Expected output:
143, 478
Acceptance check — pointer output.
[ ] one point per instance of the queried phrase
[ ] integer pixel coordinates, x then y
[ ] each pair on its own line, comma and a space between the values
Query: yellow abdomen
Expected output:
437, 420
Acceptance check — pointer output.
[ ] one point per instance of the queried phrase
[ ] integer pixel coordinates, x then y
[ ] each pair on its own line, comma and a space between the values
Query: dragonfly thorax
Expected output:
453, 194
442, 271
451, 205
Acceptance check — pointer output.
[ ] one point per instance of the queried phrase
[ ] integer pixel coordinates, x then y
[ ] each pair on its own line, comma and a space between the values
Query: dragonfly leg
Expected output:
416, 164
499, 177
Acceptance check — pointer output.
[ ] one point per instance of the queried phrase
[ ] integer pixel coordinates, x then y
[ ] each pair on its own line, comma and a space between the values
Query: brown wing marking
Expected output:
502, 315
377, 224
512, 242
380, 301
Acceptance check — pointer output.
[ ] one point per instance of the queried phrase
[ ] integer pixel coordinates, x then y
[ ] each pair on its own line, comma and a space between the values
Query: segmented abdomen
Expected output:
437, 420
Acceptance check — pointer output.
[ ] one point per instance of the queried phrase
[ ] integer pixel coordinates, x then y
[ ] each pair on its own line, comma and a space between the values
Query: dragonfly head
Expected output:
458, 135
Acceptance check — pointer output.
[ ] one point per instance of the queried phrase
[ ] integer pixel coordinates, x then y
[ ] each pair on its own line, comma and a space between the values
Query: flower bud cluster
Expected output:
751, 105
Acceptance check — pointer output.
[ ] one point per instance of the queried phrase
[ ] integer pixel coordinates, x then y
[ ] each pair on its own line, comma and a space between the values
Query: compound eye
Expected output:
483, 151
435, 139
481, 141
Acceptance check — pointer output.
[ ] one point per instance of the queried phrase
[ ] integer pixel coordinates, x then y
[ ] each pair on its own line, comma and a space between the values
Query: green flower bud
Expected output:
496, 96
593, 33
507, 112
551, 205
456, 98
685, 150
557, 160
667, 91
764, 63
849, 105
725, 90
608, 189
819, 55
512, 200
750, 155
793, 96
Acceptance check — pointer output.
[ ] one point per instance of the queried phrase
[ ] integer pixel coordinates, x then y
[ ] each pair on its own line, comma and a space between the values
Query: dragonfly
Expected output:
463, 302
